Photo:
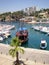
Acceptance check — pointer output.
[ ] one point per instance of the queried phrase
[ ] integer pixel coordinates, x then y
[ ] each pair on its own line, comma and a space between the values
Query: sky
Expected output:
15, 5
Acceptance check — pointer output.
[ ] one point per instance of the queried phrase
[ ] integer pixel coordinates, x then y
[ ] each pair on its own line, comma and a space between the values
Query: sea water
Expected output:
34, 37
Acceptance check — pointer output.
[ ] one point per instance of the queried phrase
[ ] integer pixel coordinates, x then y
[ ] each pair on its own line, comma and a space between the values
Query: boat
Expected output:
44, 30
41, 29
43, 44
1, 38
36, 28
48, 33
22, 34
5, 33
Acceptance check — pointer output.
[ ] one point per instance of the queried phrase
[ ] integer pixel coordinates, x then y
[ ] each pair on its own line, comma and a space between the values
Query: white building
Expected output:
30, 10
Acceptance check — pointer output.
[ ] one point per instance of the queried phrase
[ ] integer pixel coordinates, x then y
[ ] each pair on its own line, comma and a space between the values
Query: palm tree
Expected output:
14, 51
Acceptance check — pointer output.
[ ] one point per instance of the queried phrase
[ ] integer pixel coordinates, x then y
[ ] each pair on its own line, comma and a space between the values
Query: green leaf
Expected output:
21, 50
15, 43
12, 52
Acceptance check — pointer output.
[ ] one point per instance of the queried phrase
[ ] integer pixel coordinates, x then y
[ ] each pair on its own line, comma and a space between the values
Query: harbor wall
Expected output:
35, 55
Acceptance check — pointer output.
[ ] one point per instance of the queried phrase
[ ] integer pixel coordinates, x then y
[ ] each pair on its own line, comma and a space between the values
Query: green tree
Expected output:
16, 48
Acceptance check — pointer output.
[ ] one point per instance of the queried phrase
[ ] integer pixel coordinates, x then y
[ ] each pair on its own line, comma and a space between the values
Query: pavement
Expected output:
30, 56
8, 60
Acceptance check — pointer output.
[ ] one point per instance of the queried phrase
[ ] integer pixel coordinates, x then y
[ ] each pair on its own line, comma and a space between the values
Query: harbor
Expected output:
24, 32
34, 37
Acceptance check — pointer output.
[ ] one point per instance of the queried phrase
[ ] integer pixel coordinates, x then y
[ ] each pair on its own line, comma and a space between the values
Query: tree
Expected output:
16, 48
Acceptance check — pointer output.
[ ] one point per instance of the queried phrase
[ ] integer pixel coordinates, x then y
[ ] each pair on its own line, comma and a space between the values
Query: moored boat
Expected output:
48, 33
1, 38
22, 34
44, 30
43, 44
37, 28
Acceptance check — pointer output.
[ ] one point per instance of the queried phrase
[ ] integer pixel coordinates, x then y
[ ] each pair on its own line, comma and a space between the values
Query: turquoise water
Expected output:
34, 37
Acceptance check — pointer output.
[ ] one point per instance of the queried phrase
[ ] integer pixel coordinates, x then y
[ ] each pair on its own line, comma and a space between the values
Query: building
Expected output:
26, 10
30, 10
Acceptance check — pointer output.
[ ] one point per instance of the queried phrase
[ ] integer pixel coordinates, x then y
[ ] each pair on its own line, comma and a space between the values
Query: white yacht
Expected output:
5, 33
44, 30
43, 44
1, 38
35, 28
48, 33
